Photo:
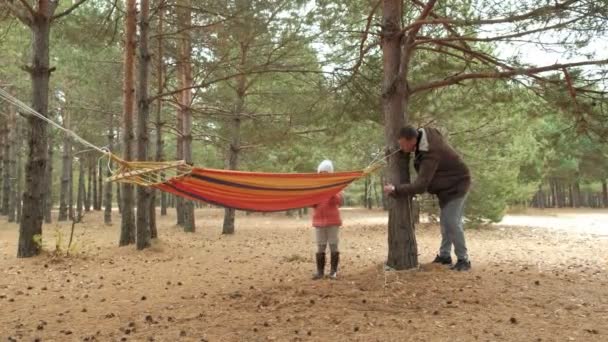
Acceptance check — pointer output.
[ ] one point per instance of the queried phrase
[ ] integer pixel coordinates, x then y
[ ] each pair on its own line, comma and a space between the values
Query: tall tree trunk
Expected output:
382, 193
66, 169
14, 142
5, 167
89, 185
48, 195
31, 220
107, 213
235, 145
119, 198
376, 194
94, 196
577, 190
185, 51
127, 235
142, 237
554, 193
604, 193
19, 173
160, 79
81, 193
402, 247
99, 185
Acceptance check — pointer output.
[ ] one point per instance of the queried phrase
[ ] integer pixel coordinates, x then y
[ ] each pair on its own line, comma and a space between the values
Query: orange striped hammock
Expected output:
253, 191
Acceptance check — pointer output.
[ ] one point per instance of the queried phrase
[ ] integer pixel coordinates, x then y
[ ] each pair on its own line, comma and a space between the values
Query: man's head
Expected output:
408, 136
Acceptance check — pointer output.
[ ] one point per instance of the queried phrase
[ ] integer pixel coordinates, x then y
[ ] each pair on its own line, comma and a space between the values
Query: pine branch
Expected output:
501, 74
69, 10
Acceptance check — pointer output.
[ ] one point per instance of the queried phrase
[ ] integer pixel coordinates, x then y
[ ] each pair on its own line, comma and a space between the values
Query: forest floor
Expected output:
527, 283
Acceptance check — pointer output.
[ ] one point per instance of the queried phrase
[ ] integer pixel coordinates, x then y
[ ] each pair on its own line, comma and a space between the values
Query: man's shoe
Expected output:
443, 260
462, 265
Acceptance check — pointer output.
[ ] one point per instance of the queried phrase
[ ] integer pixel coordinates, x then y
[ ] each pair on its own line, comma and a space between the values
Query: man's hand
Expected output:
389, 189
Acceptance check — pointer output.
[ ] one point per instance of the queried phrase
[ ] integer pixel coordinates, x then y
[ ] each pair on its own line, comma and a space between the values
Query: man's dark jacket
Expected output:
441, 170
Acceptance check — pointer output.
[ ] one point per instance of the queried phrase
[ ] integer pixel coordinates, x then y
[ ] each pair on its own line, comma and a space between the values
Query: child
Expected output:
326, 221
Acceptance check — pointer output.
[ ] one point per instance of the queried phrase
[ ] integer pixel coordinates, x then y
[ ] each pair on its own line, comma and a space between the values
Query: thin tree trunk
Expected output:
66, 168
48, 196
99, 184
402, 247
604, 193
235, 145
127, 235
185, 51
81, 193
94, 194
554, 193
14, 143
384, 197
376, 194
107, 214
31, 220
4, 167
142, 237
19, 173
89, 185
160, 74
119, 198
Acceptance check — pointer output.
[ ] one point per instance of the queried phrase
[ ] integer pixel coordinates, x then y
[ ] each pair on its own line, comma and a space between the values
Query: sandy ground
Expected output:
527, 284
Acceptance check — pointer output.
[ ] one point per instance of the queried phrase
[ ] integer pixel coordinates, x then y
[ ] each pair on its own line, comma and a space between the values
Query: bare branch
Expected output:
501, 74
29, 7
362, 49
423, 40
228, 77
544, 10
69, 10
426, 11
23, 16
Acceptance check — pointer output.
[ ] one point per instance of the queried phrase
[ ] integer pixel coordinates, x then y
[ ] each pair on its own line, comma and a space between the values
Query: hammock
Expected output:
255, 191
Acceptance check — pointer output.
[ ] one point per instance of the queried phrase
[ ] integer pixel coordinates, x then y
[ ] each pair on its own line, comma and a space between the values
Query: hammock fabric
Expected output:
258, 191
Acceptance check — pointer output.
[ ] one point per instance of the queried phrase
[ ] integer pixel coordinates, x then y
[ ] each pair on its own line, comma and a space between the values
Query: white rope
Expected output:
25, 108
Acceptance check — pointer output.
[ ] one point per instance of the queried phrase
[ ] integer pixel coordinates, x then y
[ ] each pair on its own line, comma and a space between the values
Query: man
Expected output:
443, 173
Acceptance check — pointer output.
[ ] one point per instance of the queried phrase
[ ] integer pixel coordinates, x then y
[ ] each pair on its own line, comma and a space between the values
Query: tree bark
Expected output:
185, 51
40, 72
107, 213
99, 185
19, 173
94, 196
160, 74
119, 198
48, 195
89, 184
402, 247
4, 167
14, 142
142, 238
127, 235
235, 144
66, 169
604, 193
81, 193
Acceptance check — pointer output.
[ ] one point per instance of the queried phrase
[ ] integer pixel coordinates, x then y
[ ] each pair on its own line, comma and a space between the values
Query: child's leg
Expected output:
321, 240
333, 240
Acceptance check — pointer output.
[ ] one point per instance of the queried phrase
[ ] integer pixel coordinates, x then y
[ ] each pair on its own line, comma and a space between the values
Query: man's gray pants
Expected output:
452, 230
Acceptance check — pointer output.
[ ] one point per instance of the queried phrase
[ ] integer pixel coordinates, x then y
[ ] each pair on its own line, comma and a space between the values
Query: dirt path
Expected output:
580, 221
526, 285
